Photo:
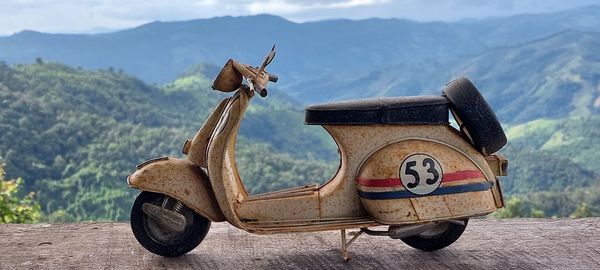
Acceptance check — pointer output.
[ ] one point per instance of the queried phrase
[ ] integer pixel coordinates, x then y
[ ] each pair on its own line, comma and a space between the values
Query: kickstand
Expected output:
345, 244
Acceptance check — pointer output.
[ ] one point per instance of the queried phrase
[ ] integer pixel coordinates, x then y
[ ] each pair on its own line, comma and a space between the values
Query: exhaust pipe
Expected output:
403, 231
397, 232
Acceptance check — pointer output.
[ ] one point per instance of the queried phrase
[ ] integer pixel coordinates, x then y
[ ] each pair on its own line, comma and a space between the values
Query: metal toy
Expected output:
402, 166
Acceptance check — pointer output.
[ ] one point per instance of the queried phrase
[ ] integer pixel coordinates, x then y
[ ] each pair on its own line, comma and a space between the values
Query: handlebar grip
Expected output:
263, 92
273, 78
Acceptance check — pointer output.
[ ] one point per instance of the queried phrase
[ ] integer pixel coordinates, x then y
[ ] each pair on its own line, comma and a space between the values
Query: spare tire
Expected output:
476, 118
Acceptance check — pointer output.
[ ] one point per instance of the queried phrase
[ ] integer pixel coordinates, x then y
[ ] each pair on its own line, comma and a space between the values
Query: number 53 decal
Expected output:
421, 174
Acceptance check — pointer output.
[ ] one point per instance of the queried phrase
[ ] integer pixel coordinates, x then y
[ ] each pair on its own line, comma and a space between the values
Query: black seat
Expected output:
391, 110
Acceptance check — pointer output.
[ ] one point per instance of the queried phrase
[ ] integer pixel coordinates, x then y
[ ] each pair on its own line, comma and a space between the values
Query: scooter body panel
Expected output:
196, 149
296, 206
416, 180
358, 143
339, 198
182, 180
224, 178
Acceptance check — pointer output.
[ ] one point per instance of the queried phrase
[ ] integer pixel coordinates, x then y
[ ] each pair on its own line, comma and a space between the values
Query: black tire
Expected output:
157, 239
434, 240
476, 115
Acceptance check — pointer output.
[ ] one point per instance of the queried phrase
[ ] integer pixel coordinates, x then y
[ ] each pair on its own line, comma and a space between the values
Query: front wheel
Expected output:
436, 238
160, 240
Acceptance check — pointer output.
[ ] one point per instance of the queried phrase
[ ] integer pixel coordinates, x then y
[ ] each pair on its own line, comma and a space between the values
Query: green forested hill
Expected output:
554, 166
575, 138
553, 77
75, 135
553, 155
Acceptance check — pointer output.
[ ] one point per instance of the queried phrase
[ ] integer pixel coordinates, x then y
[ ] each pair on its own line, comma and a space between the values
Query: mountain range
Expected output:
77, 112
159, 51
556, 76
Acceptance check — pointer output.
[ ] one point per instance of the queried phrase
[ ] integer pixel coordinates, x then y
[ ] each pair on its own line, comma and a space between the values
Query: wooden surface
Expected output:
486, 244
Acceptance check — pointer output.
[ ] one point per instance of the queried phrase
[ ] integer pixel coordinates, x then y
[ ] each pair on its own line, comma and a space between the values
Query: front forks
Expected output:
171, 219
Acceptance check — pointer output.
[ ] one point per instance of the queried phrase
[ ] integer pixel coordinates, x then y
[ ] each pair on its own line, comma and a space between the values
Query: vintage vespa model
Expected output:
402, 165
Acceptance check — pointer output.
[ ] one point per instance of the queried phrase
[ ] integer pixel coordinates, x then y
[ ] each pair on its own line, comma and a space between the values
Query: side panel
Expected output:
182, 180
223, 173
305, 207
339, 197
419, 180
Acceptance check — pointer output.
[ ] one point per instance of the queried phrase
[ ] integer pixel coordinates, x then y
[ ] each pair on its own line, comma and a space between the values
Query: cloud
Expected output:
287, 7
69, 16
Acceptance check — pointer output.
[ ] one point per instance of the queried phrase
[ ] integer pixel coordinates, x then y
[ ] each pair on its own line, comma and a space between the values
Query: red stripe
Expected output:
393, 182
388, 182
462, 175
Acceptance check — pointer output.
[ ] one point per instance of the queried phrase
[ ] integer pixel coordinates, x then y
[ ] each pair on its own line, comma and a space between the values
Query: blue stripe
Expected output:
403, 194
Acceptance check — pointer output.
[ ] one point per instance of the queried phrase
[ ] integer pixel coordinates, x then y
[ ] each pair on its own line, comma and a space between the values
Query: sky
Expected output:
92, 16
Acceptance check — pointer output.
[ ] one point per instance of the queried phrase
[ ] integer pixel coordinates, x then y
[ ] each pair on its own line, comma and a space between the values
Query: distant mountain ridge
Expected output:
553, 77
158, 51
86, 129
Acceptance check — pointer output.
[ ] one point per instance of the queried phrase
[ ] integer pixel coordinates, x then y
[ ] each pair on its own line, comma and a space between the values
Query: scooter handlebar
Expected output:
232, 74
273, 78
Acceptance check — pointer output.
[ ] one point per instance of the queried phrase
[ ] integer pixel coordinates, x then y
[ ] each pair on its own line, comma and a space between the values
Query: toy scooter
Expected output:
402, 165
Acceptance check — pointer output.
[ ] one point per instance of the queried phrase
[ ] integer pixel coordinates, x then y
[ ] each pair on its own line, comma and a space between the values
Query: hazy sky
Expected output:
70, 16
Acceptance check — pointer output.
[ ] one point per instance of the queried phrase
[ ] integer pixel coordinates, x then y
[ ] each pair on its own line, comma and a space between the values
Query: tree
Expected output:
14, 209
513, 209
517, 208
583, 210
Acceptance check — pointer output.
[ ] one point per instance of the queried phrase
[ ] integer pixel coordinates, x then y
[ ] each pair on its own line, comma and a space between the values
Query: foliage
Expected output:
15, 208
76, 135
554, 166
539, 161
576, 203
263, 169
583, 210
516, 208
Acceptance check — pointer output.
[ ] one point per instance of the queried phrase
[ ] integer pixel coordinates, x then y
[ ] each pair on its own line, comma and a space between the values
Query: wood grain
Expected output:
486, 244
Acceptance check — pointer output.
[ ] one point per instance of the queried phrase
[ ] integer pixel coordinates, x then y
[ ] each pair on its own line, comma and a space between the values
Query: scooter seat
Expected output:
389, 110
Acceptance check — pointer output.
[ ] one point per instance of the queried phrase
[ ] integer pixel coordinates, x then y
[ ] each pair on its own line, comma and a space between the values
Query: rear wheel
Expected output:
477, 119
158, 239
436, 238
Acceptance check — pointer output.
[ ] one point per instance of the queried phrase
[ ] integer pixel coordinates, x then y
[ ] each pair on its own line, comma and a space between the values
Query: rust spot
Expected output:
382, 211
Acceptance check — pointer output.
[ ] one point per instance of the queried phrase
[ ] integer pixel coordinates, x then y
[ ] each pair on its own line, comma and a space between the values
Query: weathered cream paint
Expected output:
385, 163
197, 150
472, 203
180, 179
339, 197
498, 164
222, 171
335, 205
306, 209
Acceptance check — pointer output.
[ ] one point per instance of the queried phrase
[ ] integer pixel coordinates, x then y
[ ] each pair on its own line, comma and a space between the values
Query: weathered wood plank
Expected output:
486, 244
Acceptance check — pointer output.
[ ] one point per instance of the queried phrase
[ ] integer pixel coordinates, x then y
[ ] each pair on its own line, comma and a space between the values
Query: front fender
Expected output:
181, 180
